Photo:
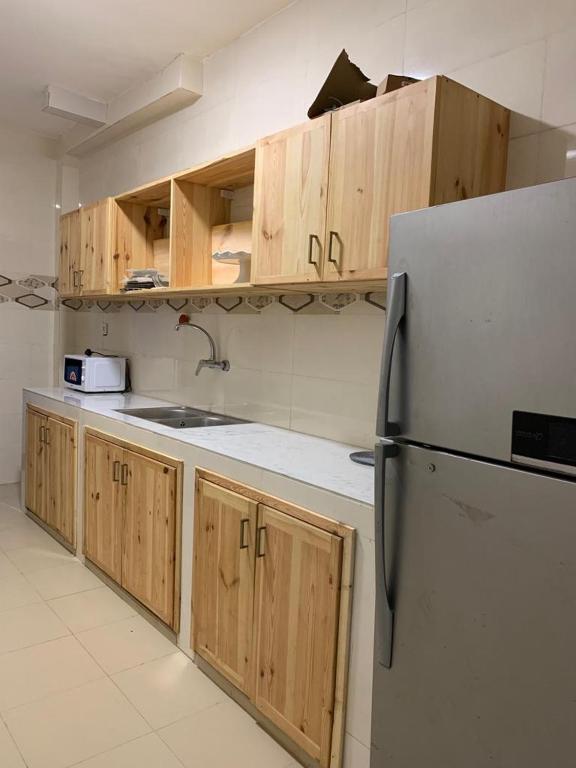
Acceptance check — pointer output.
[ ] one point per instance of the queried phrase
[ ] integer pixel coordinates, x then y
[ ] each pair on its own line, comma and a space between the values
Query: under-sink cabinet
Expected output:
271, 599
50, 489
132, 520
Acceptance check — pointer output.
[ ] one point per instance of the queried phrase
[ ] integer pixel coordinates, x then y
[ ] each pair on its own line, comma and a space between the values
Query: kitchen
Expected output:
187, 550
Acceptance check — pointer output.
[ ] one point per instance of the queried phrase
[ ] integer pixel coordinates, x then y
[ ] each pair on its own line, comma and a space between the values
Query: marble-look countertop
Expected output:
313, 460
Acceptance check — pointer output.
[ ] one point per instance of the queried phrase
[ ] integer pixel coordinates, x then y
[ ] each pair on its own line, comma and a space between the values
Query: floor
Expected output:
85, 681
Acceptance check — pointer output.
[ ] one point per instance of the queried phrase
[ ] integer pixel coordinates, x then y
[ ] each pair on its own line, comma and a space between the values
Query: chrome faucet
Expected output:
211, 362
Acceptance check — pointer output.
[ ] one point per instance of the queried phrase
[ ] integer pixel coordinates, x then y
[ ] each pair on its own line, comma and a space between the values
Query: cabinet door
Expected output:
290, 188
61, 442
380, 164
149, 555
68, 272
103, 506
96, 247
36, 474
223, 581
297, 601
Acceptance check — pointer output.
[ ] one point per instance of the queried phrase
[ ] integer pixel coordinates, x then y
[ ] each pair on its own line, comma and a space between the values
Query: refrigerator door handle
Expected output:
395, 312
384, 618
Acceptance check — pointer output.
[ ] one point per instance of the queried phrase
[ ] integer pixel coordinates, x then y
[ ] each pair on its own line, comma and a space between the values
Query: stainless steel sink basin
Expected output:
181, 417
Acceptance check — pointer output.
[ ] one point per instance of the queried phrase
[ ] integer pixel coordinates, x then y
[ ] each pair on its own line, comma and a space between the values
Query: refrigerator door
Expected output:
482, 576
489, 318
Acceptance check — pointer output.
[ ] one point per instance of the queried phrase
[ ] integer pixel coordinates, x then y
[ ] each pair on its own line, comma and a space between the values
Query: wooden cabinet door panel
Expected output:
96, 247
223, 581
36, 472
290, 188
61, 442
103, 506
297, 603
69, 254
149, 554
380, 164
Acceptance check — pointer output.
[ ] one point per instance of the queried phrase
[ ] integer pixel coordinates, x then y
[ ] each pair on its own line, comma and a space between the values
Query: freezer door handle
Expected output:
395, 311
384, 620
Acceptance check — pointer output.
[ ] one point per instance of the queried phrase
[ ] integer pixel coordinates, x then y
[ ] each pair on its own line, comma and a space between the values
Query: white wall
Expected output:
317, 373
28, 181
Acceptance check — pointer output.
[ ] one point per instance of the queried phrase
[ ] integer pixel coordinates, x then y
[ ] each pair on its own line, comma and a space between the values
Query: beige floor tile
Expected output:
86, 610
10, 494
223, 736
10, 516
7, 568
168, 689
33, 673
68, 727
25, 533
146, 752
30, 559
16, 591
29, 625
64, 580
9, 755
125, 644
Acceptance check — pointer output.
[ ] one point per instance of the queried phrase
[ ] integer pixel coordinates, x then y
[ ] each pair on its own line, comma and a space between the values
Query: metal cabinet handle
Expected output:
384, 624
116, 471
74, 281
311, 240
47, 435
80, 283
395, 312
243, 524
124, 479
331, 237
259, 541
41, 434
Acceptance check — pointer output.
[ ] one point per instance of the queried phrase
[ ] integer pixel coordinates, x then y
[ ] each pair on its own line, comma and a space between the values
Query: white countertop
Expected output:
313, 460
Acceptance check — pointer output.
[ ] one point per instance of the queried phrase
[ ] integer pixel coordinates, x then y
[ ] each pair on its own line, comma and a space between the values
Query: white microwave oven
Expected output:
95, 373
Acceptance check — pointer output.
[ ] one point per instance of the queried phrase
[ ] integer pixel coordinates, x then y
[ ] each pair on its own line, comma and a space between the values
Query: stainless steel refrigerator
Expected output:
475, 652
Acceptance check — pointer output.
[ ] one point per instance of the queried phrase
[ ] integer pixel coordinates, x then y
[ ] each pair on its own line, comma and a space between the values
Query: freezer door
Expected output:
490, 317
482, 575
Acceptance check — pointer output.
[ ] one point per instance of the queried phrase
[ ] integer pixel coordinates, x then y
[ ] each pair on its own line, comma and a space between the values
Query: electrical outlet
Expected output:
104, 329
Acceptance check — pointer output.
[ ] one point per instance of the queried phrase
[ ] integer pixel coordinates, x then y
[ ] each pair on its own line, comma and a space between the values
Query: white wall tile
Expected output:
522, 162
557, 154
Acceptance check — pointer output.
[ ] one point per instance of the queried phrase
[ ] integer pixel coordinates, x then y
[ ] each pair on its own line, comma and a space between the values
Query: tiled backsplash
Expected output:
31, 291
301, 362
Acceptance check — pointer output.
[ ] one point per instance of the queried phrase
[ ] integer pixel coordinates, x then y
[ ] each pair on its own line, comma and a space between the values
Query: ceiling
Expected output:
103, 48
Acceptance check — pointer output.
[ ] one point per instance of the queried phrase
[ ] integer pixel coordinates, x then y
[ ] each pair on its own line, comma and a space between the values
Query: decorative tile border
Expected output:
30, 291
302, 303
40, 292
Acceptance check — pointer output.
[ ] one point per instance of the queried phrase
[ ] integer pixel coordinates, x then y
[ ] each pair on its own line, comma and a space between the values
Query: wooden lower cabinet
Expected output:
103, 505
51, 471
224, 564
149, 556
296, 626
132, 509
270, 611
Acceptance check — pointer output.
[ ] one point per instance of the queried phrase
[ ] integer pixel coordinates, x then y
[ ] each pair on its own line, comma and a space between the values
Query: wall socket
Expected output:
104, 329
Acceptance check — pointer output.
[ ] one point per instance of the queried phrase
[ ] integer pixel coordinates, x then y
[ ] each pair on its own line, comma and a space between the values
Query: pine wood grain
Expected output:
223, 582
290, 188
61, 450
96, 232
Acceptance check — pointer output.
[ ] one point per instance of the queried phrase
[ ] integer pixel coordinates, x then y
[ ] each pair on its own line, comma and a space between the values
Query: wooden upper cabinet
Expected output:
149, 556
61, 443
290, 188
432, 142
69, 257
103, 505
223, 581
297, 604
96, 238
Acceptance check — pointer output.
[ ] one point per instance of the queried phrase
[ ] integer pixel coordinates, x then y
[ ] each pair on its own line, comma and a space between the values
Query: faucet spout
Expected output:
212, 361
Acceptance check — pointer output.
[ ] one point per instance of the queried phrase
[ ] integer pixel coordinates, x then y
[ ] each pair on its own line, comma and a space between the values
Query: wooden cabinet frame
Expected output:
50, 487
171, 464
347, 536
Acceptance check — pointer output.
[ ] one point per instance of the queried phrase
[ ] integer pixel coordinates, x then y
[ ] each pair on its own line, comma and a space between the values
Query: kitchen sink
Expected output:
181, 417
